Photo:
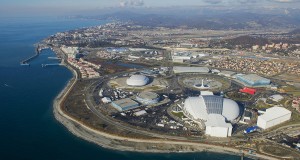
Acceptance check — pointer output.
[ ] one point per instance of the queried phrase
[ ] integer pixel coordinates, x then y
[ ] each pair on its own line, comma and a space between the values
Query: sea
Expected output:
28, 129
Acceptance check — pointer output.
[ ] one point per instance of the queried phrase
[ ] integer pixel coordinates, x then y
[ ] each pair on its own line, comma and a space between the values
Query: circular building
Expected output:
147, 98
137, 80
198, 108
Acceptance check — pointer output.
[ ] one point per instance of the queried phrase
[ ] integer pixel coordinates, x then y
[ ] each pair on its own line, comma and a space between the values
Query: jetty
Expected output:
39, 48
56, 58
52, 64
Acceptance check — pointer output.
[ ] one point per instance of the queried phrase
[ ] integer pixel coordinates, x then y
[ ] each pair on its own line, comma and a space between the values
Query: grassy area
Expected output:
261, 105
291, 90
278, 151
238, 96
179, 114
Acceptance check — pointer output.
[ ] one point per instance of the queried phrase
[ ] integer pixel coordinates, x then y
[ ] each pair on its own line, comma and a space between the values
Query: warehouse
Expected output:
177, 69
124, 104
147, 98
253, 80
217, 127
273, 116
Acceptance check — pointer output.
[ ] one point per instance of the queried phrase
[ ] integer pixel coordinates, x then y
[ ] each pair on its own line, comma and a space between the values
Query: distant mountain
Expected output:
207, 19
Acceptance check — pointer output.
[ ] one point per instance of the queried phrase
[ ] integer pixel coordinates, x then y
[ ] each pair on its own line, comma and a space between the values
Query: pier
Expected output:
39, 48
52, 64
56, 58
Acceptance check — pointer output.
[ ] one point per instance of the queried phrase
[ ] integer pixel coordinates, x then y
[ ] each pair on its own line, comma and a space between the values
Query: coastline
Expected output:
115, 142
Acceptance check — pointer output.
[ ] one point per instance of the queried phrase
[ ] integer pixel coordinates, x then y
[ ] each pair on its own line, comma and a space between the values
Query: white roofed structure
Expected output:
177, 69
206, 93
198, 108
273, 116
137, 80
216, 126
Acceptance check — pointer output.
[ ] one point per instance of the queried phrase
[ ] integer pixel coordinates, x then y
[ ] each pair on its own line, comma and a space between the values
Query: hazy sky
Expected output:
67, 6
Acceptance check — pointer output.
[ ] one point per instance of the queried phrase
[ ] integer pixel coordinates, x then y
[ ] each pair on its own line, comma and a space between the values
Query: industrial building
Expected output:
124, 104
147, 98
253, 80
216, 126
177, 69
181, 56
198, 108
273, 116
137, 80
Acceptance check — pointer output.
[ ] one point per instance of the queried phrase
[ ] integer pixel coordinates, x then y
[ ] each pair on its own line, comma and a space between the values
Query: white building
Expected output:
106, 100
273, 116
181, 56
190, 69
217, 127
199, 108
276, 97
137, 80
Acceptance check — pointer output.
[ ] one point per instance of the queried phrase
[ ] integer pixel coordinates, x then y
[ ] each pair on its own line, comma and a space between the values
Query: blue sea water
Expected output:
28, 129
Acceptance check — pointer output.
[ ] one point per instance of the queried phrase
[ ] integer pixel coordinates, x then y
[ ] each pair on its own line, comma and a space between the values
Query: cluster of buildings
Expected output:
141, 99
112, 33
296, 103
86, 69
183, 56
259, 66
269, 47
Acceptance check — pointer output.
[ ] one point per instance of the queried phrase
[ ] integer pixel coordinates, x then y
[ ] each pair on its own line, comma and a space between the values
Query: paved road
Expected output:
90, 103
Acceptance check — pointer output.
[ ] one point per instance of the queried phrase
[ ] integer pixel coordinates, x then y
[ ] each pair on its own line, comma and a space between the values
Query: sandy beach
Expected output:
132, 144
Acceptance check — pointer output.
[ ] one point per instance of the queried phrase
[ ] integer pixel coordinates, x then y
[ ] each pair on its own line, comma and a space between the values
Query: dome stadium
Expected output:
198, 108
137, 80
147, 97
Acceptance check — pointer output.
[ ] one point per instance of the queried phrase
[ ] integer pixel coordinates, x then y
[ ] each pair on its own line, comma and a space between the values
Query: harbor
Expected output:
39, 48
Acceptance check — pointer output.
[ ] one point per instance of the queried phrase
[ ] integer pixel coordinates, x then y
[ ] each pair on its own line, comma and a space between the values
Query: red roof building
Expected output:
248, 90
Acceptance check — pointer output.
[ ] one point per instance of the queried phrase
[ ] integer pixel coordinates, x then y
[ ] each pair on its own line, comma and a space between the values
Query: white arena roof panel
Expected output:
137, 80
274, 112
198, 108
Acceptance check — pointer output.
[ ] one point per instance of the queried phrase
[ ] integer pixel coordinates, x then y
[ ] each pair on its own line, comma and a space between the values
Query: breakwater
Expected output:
38, 49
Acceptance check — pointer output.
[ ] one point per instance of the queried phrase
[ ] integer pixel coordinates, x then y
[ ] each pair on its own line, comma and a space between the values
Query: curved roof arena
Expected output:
198, 108
137, 80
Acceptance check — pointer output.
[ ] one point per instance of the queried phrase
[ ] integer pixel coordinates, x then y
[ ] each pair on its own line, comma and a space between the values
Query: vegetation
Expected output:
179, 114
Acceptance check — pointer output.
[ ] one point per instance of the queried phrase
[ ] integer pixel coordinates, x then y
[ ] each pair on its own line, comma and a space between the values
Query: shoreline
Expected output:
115, 142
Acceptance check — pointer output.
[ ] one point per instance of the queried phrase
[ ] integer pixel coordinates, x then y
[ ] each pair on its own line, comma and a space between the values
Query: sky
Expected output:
14, 7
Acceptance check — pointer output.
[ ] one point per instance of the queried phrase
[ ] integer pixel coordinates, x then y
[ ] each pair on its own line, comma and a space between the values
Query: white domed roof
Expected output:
137, 80
198, 108
231, 109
